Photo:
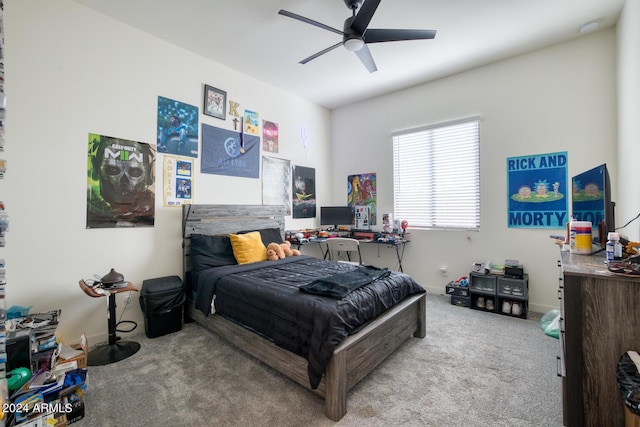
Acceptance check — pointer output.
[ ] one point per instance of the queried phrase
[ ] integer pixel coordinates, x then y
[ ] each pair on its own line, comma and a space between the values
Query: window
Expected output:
436, 175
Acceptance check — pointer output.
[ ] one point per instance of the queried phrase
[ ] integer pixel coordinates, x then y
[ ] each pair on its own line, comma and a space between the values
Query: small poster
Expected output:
251, 123
177, 187
537, 188
269, 136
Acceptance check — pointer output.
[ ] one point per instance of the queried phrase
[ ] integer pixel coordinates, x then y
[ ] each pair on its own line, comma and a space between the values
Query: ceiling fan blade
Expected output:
322, 52
308, 21
379, 36
365, 57
362, 19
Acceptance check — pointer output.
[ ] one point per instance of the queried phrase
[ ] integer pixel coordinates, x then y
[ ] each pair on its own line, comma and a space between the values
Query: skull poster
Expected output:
120, 183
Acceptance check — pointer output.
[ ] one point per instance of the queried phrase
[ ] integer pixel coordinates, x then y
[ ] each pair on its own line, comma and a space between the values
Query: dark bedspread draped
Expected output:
266, 298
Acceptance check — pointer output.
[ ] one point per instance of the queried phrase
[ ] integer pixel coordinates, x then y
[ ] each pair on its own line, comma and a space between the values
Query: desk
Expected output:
397, 245
116, 350
601, 322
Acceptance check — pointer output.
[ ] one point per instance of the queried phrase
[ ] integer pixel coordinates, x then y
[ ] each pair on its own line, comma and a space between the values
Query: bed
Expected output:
329, 361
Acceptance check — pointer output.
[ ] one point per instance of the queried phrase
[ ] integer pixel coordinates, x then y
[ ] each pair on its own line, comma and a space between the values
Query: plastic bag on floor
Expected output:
550, 323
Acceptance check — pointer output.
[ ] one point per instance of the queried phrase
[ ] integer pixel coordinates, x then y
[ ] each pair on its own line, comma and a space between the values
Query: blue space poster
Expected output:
537, 191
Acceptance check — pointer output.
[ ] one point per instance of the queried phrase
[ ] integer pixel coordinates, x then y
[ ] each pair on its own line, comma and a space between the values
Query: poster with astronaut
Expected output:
304, 192
120, 183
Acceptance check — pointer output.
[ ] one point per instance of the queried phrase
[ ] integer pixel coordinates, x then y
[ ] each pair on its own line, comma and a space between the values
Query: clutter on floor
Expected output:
46, 378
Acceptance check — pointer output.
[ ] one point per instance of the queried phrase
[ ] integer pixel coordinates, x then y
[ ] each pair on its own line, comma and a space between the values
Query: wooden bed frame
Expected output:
352, 360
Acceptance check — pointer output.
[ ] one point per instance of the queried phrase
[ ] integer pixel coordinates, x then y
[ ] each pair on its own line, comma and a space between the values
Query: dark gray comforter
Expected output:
266, 298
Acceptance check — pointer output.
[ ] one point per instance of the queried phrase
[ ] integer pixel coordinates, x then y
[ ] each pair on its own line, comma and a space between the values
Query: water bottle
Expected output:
610, 247
617, 247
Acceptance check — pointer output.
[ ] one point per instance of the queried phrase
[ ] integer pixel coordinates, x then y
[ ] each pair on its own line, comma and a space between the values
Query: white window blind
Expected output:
436, 175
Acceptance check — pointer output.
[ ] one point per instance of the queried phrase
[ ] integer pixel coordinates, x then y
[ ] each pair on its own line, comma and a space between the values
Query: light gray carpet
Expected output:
472, 368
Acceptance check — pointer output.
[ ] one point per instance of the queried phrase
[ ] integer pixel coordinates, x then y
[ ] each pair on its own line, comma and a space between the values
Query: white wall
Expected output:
71, 71
628, 31
562, 98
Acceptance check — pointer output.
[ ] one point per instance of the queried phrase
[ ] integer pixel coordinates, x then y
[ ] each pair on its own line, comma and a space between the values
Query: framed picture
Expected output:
215, 102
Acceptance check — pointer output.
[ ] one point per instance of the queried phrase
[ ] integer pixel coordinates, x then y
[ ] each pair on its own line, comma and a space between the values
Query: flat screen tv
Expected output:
591, 201
336, 216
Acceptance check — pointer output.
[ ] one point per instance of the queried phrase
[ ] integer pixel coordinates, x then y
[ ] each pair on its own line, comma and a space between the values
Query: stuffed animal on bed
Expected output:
286, 247
278, 251
274, 252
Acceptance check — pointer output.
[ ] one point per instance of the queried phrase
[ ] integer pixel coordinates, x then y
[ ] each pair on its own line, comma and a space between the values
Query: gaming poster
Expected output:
120, 183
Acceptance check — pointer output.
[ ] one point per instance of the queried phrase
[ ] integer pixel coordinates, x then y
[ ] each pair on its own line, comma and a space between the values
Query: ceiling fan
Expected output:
356, 35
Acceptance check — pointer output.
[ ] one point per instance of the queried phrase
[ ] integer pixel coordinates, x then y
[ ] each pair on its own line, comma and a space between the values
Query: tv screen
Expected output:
336, 215
591, 201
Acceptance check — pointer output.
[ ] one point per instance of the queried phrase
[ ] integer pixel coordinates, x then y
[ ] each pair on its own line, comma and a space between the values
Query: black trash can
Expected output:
628, 378
161, 301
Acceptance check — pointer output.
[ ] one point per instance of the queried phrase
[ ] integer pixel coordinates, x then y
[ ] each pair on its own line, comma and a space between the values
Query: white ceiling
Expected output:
251, 37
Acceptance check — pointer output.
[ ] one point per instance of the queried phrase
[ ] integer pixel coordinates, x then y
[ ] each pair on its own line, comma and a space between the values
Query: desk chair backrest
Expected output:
344, 249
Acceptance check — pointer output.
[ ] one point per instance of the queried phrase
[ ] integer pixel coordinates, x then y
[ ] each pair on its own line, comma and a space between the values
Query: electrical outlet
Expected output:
443, 270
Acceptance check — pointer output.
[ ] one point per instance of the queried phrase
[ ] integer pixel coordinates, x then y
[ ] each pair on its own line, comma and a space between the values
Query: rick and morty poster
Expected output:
537, 191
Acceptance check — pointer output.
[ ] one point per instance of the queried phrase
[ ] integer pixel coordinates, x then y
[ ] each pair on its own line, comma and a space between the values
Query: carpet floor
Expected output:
471, 368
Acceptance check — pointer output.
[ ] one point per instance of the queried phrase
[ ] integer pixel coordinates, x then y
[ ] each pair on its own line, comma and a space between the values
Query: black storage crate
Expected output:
161, 301
457, 290
460, 301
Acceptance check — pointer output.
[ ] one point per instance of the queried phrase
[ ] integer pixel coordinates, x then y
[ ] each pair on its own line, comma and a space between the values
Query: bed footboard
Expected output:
358, 355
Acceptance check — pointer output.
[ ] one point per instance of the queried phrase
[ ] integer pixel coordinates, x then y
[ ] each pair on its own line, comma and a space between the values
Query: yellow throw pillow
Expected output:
248, 248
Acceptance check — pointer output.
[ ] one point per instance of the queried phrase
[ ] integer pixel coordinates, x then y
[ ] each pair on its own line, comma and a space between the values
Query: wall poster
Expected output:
269, 136
177, 128
276, 182
251, 122
225, 152
120, 183
177, 185
536, 190
361, 191
304, 192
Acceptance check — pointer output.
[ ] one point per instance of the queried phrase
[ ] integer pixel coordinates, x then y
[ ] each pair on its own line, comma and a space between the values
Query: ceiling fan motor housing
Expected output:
353, 4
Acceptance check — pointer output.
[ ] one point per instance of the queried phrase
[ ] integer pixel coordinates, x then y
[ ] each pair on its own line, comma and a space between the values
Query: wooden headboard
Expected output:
225, 219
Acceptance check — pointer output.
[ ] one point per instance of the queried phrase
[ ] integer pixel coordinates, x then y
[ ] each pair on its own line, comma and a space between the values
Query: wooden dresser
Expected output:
600, 321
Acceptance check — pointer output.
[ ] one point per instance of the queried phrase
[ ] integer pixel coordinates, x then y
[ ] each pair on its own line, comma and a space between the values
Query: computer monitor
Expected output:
336, 215
591, 201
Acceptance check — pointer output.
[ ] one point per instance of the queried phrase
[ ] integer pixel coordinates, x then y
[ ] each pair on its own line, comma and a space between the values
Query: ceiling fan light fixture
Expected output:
353, 45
